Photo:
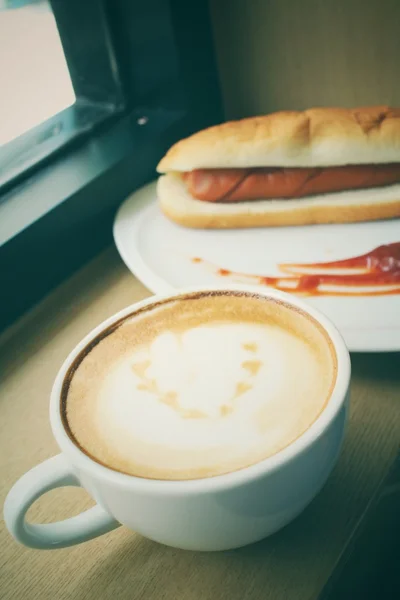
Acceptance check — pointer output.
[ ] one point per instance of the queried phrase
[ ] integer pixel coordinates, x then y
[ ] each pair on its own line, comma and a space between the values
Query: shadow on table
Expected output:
377, 365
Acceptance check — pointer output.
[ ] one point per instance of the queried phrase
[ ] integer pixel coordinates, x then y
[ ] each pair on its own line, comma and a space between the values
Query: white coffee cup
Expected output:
215, 513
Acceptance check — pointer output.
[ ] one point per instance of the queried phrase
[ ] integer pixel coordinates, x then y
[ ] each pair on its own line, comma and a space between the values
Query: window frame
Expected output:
96, 82
59, 214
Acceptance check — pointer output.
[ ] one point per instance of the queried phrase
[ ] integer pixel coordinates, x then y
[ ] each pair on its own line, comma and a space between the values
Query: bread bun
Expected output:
317, 137
339, 207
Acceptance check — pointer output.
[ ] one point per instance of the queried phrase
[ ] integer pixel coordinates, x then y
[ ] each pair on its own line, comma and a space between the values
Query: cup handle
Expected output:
52, 473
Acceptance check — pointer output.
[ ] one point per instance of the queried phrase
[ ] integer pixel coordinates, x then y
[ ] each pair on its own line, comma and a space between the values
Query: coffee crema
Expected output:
198, 385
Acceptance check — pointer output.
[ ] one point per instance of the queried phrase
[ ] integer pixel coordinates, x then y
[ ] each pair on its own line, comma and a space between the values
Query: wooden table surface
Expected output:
294, 563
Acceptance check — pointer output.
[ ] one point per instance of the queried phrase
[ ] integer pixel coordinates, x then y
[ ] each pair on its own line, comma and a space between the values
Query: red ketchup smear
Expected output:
376, 273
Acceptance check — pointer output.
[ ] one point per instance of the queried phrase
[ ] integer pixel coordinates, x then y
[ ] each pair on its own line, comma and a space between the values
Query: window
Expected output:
55, 86
33, 68
97, 90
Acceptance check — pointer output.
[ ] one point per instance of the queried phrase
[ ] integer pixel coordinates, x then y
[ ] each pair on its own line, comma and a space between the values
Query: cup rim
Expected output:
217, 482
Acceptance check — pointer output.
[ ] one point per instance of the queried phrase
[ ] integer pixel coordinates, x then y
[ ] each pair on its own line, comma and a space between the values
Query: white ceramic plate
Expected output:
160, 254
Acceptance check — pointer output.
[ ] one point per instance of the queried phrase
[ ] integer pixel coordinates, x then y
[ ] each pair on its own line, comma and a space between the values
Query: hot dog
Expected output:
287, 168
241, 185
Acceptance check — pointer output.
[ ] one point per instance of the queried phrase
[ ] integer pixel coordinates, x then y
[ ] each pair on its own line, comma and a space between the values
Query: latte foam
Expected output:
199, 386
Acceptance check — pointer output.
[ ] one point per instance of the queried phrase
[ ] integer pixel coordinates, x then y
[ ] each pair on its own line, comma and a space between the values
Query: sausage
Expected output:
238, 185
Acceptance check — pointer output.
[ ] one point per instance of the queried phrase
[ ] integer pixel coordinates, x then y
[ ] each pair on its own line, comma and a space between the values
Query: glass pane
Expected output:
35, 82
